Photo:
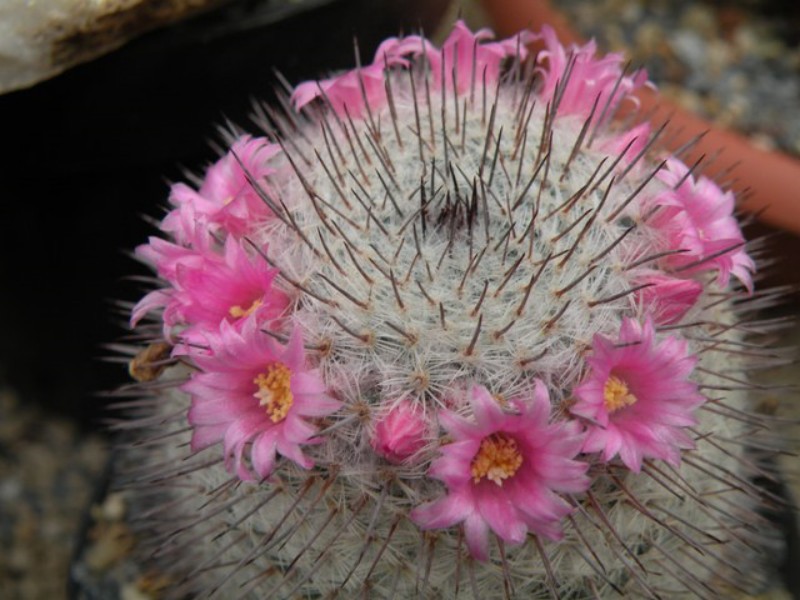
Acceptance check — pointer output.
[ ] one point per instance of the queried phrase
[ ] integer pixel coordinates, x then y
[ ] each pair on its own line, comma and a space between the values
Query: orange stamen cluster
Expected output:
274, 391
237, 312
617, 395
497, 459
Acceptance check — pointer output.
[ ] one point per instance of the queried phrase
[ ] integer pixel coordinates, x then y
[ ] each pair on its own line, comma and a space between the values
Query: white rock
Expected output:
41, 38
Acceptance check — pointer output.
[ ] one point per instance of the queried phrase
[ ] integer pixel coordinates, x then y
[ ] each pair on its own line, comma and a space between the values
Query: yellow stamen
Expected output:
497, 459
237, 312
274, 391
617, 395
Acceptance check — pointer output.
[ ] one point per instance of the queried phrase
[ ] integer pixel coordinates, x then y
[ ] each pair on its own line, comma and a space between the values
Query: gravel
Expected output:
736, 63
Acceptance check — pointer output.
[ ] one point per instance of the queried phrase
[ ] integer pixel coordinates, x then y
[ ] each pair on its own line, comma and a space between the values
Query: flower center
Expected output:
274, 391
617, 395
497, 459
237, 312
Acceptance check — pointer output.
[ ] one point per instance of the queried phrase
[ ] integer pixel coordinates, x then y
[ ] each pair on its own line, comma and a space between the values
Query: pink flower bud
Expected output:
400, 433
668, 299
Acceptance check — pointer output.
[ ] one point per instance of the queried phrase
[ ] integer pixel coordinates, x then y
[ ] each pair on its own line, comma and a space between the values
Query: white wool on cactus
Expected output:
448, 329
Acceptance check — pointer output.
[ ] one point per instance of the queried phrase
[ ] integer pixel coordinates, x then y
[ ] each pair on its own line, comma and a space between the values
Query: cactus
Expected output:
447, 328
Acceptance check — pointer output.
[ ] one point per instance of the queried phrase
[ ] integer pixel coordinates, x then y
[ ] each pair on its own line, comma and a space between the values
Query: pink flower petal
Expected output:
500, 514
443, 512
476, 534
264, 453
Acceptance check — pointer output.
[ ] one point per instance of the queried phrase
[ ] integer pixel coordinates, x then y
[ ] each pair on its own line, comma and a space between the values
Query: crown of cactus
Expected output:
448, 329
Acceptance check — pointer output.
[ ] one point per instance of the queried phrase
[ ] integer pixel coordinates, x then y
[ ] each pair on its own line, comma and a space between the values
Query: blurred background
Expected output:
143, 86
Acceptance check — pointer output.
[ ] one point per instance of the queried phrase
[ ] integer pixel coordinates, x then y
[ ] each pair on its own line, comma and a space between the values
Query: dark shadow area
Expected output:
91, 151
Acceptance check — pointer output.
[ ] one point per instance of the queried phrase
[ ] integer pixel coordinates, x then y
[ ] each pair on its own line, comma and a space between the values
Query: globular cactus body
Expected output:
449, 331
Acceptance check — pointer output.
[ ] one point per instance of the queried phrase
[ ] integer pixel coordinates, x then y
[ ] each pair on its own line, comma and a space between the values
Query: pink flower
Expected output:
465, 53
226, 198
345, 90
166, 257
401, 433
461, 49
254, 396
183, 223
637, 397
503, 471
208, 289
666, 299
589, 77
228, 288
698, 217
